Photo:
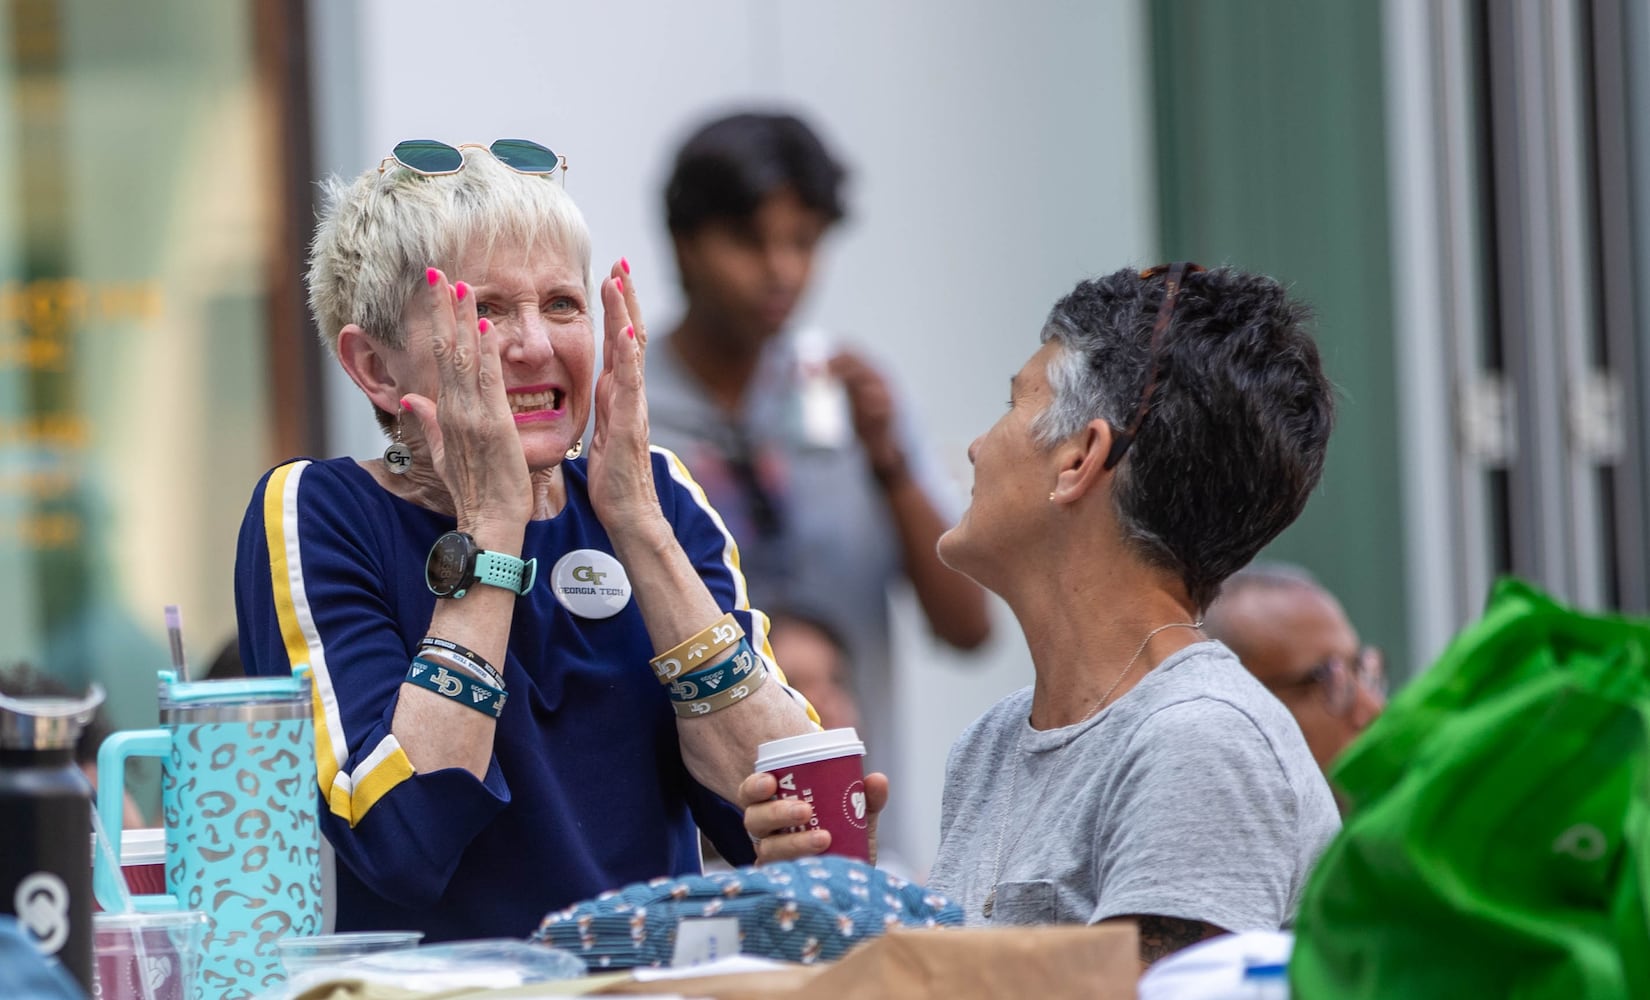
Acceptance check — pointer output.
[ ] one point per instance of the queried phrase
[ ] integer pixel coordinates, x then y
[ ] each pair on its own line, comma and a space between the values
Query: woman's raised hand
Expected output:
472, 438
621, 470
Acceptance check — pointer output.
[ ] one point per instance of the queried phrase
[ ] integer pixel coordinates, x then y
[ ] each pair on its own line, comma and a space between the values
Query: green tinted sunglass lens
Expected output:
525, 155
428, 156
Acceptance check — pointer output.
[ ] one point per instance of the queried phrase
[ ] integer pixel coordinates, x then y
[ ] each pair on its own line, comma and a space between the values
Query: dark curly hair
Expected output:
1234, 440
726, 168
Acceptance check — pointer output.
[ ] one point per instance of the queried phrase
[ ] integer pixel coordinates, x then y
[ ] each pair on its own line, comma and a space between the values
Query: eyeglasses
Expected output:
1177, 272
435, 159
1339, 678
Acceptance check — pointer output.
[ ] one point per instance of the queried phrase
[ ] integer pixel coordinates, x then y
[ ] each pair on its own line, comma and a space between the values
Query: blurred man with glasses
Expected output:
1295, 638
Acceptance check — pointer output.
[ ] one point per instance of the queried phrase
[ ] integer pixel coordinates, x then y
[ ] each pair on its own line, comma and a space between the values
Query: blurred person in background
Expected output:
803, 446
1172, 423
22, 680
1294, 636
817, 664
487, 615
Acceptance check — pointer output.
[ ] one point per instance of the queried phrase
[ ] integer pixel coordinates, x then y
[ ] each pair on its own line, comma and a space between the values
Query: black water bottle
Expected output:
46, 828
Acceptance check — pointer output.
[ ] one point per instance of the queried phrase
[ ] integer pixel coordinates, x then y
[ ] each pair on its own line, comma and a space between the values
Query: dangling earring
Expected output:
576, 450
398, 456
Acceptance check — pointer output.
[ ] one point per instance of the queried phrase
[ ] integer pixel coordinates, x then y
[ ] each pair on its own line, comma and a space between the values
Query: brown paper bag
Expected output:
1050, 963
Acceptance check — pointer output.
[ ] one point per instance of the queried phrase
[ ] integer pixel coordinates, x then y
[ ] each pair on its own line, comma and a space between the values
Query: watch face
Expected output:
451, 563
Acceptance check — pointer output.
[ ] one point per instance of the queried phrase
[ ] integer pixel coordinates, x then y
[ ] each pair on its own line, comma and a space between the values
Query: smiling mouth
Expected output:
537, 401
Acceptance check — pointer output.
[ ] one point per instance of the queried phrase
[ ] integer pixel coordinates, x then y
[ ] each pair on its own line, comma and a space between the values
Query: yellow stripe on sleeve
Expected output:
762, 625
349, 796
730, 548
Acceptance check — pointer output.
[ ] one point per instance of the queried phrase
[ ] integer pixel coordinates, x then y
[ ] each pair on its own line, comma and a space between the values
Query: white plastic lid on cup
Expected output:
143, 847
807, 748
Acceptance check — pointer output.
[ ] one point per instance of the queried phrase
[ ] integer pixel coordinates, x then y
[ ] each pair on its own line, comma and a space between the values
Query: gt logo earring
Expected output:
398, 456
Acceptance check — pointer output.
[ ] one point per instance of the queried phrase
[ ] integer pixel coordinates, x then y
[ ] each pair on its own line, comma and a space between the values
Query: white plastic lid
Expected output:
807, 748
143, 847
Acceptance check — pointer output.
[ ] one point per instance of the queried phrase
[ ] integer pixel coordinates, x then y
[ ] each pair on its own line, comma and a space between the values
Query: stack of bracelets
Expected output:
698, 690
471, 681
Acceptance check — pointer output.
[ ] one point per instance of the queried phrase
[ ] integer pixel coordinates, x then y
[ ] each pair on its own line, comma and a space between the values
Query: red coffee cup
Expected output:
827, 771
143, 860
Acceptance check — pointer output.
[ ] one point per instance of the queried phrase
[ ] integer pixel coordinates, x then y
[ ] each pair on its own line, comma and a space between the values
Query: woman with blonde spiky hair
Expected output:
480, 607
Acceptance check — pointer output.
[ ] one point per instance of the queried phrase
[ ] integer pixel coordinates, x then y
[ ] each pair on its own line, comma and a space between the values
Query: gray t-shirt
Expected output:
1192, 796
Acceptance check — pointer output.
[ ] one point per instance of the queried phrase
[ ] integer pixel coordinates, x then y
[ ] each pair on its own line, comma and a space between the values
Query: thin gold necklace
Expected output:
1019, 751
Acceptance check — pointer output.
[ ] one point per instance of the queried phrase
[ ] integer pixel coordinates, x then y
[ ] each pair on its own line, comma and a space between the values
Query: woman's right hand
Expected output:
472, 438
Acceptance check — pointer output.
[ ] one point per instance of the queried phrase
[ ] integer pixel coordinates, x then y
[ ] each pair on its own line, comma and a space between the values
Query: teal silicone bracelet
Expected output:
708, 681
472, 694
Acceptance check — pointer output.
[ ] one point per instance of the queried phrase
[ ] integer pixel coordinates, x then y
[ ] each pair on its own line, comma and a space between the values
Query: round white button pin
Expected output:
590, 583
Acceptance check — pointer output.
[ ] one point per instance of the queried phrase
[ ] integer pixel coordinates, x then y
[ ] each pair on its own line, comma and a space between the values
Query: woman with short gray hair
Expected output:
1171, 424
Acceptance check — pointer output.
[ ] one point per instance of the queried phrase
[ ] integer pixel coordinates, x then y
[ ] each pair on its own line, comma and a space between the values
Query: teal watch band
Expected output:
456, 564
500, 570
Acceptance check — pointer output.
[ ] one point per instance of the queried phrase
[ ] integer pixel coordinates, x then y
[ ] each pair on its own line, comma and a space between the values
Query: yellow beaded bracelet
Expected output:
723, 634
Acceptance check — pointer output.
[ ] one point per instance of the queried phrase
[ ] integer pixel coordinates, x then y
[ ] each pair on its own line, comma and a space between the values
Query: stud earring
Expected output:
398, 456
576, 450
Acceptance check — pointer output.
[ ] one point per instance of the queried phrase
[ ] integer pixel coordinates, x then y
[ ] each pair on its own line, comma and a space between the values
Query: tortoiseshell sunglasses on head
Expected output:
1176, 274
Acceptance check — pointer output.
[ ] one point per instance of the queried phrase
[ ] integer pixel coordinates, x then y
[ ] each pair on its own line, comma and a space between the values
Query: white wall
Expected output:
999, 153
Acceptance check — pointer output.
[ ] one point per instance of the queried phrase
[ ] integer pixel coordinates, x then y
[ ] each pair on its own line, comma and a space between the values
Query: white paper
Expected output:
729, 965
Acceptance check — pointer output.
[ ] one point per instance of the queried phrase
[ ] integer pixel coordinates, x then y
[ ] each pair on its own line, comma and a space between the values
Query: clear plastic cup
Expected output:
147, 956
301, 954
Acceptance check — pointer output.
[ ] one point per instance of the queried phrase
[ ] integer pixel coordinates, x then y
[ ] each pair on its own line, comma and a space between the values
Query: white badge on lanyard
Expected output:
590, 583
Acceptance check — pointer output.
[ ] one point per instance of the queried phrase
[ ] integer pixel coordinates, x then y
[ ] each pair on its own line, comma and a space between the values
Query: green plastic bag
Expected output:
1497, 840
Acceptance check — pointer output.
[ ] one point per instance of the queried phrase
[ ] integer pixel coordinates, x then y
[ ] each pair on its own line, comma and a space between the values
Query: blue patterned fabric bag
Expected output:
805, 911
25, 974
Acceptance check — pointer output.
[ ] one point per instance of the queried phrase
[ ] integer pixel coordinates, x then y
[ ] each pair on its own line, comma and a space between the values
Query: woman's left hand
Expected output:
768, 819
621, 469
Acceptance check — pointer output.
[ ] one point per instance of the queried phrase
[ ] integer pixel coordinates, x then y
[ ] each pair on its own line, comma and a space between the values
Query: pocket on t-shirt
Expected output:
1022, 903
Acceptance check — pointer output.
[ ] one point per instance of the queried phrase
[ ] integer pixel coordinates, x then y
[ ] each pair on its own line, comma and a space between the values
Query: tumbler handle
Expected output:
111, 799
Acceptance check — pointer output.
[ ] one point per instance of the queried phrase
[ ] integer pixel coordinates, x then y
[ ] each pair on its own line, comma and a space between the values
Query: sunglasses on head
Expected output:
1176, 274
432, 158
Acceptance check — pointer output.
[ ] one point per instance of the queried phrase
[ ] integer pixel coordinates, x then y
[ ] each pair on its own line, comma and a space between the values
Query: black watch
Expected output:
456, 564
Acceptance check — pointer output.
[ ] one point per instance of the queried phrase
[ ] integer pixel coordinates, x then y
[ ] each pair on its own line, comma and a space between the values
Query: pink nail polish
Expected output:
630, 331
624, 263
619, 284
461, 290
483, 325
406, 406
432, 276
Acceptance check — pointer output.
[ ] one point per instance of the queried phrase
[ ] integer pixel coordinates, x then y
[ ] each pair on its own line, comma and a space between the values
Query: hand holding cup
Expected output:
809, 797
